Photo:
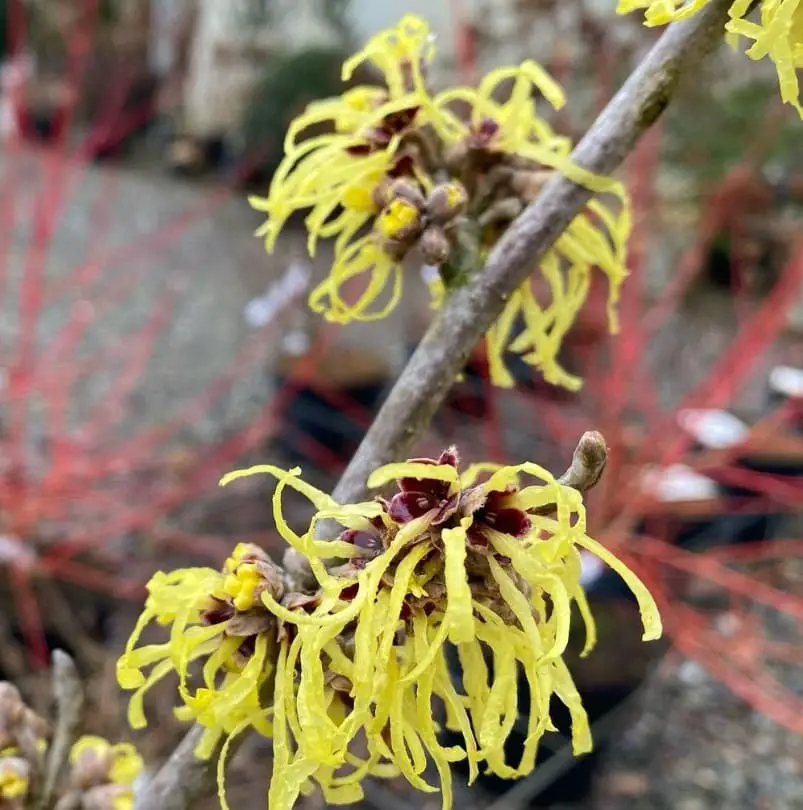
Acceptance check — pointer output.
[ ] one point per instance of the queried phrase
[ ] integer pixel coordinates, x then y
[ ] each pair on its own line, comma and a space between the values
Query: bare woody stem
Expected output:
69, 695
470, 310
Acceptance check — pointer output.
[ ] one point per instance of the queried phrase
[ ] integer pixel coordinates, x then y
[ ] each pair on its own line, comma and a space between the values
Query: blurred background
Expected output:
148, 345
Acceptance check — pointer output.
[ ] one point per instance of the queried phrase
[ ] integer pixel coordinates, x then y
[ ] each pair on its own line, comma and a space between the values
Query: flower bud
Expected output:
395, 248
501, 211
91, 764
382, 193
447, 201
20, 727
434, 245
527, 184
15, 776
248, 573
108, 797
455, 158
408, 191
11, 709
399, 221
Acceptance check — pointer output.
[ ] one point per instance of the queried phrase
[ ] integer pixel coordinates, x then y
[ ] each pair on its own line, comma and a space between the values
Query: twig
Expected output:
588, 462
181, 780
471, 309
69, 695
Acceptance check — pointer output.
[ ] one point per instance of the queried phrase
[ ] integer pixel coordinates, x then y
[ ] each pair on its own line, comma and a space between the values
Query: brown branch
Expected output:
470, 310
182, 780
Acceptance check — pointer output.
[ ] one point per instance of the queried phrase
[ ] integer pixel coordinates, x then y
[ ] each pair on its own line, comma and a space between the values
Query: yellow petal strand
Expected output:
570, 697
496, 722
221, 765
650, 617
401, 586
578, 594
454, 703
518, 603
459, 619
289, 774
411, 469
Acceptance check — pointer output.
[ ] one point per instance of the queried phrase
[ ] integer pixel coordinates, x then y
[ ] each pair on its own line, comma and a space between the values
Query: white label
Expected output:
262, 310
713, 428
787, 381
15, 552
678, 483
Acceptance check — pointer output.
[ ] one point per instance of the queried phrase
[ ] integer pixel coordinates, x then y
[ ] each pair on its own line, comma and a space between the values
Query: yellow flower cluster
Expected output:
212, 617
348, 181
348, 672
101, 775
15, 776
105, 772
777, 33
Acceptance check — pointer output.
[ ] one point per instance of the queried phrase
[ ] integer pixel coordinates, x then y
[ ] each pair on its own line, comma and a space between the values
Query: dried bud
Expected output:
527, 184
107, 797
295, 600
588, 462
456, 157
405, 190
447, 201
297, 571
396, 248
91, 767
20, 727
338, 682
249, 623
501, 211
383, 192
15, 777
272, 576
434, 245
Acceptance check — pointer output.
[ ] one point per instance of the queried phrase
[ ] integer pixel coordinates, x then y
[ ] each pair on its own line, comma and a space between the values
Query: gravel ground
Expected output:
151, 237
694, 745
698, 747
156, 242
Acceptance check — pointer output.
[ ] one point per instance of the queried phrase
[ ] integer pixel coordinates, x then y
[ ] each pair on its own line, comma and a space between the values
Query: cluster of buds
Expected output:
21, 728
97, 776
101, 776
408, 218
22, 732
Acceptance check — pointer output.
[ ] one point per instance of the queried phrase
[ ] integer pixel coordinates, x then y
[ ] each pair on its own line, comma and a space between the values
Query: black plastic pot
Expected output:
310, 420
602, 697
